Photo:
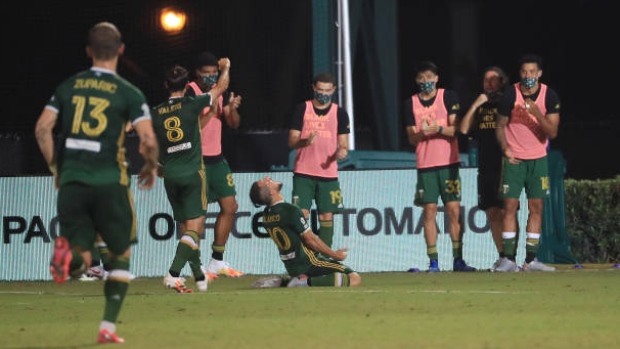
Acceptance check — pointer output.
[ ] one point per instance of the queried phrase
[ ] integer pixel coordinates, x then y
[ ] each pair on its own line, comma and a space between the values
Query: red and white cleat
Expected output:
59, 266
106, 336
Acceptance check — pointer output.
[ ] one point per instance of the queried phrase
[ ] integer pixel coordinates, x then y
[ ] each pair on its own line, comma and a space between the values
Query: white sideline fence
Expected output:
380, 226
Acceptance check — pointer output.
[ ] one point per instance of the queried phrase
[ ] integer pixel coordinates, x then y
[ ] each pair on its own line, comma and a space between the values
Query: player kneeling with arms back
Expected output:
301, 250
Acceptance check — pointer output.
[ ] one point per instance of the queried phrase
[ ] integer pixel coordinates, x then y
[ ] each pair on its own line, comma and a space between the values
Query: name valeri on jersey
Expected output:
179, 147
83, 144
169, 108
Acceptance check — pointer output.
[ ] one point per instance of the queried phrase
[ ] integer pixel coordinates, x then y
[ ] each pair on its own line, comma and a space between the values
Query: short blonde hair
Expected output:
104, 40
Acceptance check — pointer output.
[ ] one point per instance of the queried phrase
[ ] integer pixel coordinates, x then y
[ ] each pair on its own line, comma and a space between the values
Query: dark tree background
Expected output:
271, 49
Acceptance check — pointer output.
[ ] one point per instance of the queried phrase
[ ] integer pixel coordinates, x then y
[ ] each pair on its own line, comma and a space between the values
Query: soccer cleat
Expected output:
496, 264
433, 266
535, 265
221, 268
202, 285
269, 282
285, 280
85, 278
104, 274
59, 266
96, 272
506, 266
460, 265
298, 281
210, 276
106, 336
176, 283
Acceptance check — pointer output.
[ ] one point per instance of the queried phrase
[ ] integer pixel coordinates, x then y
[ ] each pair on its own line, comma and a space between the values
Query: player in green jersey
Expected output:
301, 250
177, 126
88, 162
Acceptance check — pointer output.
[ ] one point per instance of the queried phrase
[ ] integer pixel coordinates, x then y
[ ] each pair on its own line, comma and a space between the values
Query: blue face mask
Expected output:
528, 83
427, 86
322, 98
210, 80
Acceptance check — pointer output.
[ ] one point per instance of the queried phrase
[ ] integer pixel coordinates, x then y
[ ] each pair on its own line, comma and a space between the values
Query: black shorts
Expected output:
489, 183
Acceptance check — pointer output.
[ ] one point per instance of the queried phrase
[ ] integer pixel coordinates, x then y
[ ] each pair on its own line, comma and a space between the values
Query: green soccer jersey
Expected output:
177, 126
285, 223
93, 107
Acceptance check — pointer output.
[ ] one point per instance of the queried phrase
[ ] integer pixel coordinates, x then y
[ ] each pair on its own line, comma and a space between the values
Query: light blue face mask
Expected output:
322, 98
528, 82
426, 86
210, 80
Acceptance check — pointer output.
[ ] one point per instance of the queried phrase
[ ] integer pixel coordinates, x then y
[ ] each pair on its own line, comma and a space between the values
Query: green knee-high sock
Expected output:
510, 247
531, 246
185, 252
104, 255
195, 265
432, 253
326, 231
329, 280
115, 288
96, 257
77, 266
457, 249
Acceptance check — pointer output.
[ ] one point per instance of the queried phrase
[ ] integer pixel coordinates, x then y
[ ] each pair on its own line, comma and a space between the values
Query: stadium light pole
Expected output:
345, 42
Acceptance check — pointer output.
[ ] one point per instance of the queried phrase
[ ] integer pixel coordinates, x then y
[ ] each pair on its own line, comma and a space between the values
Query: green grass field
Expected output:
565, 309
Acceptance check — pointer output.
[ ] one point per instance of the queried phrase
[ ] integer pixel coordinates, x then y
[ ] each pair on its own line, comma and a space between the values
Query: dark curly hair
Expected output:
177, 78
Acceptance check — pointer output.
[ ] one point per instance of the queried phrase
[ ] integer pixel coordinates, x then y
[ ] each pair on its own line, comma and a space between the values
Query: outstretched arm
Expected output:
223, 81
149, 150
313, 242
222, 84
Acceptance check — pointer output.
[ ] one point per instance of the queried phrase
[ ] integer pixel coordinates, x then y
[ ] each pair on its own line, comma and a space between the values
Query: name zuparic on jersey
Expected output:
179, 147
96, 84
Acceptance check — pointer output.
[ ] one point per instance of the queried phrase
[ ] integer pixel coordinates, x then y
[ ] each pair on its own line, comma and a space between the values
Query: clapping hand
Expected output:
234, 101
312, 137
532, 108
429, 126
